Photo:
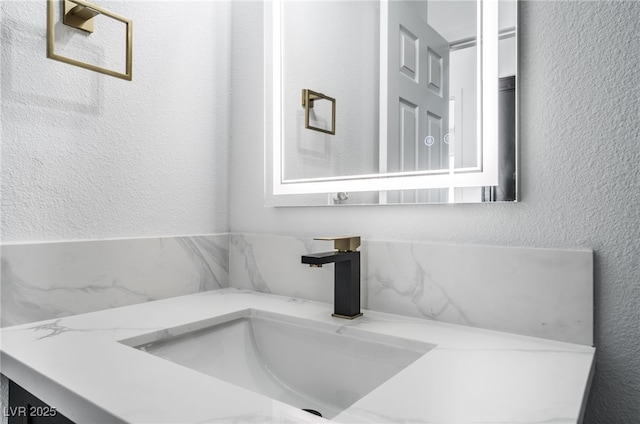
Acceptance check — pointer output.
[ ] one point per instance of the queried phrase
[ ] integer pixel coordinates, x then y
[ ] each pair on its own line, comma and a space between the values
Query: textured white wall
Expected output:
87, 156
580, 149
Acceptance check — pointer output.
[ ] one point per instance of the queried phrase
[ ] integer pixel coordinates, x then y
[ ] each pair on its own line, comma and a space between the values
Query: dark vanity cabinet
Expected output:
25, 408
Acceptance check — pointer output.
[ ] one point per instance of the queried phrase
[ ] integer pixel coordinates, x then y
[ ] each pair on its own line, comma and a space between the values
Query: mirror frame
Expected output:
282, 192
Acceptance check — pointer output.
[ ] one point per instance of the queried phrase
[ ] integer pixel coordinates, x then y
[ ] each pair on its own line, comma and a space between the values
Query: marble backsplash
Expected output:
49, 280
539, 292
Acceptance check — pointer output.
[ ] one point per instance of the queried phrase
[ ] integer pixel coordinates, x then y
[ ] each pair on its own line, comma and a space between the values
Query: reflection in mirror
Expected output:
412, 122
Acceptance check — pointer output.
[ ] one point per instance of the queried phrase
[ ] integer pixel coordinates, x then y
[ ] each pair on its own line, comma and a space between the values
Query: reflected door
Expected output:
418, 90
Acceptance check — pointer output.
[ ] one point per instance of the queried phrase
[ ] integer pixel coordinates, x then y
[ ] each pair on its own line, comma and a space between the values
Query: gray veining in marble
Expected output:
211, 256
538, 292
246, 254
272, 264
497, 377
51, 280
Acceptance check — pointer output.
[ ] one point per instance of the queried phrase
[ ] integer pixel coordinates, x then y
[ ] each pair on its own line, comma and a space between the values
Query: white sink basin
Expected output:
307, 364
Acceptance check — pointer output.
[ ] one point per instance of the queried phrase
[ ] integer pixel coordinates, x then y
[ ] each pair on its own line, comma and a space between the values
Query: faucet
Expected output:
346, 286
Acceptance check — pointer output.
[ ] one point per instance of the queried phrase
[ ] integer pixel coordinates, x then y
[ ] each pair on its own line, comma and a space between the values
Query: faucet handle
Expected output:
343, 243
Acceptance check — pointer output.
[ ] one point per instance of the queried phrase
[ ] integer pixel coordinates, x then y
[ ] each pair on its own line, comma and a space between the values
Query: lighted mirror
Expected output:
422, 102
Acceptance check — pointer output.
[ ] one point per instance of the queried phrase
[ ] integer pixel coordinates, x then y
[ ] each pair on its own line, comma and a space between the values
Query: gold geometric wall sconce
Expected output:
80, 14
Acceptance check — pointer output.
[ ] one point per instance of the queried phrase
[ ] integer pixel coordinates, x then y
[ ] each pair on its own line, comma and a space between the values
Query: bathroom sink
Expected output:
318, 366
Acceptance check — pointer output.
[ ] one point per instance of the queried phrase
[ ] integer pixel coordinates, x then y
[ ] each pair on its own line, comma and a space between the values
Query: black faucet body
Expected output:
346, 286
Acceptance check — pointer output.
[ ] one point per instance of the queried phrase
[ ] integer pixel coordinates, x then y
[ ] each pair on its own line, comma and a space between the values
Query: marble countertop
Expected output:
77, 365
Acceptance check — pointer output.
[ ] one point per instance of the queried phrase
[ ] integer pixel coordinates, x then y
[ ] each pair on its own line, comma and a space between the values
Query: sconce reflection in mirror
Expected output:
80, 14
308, 99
